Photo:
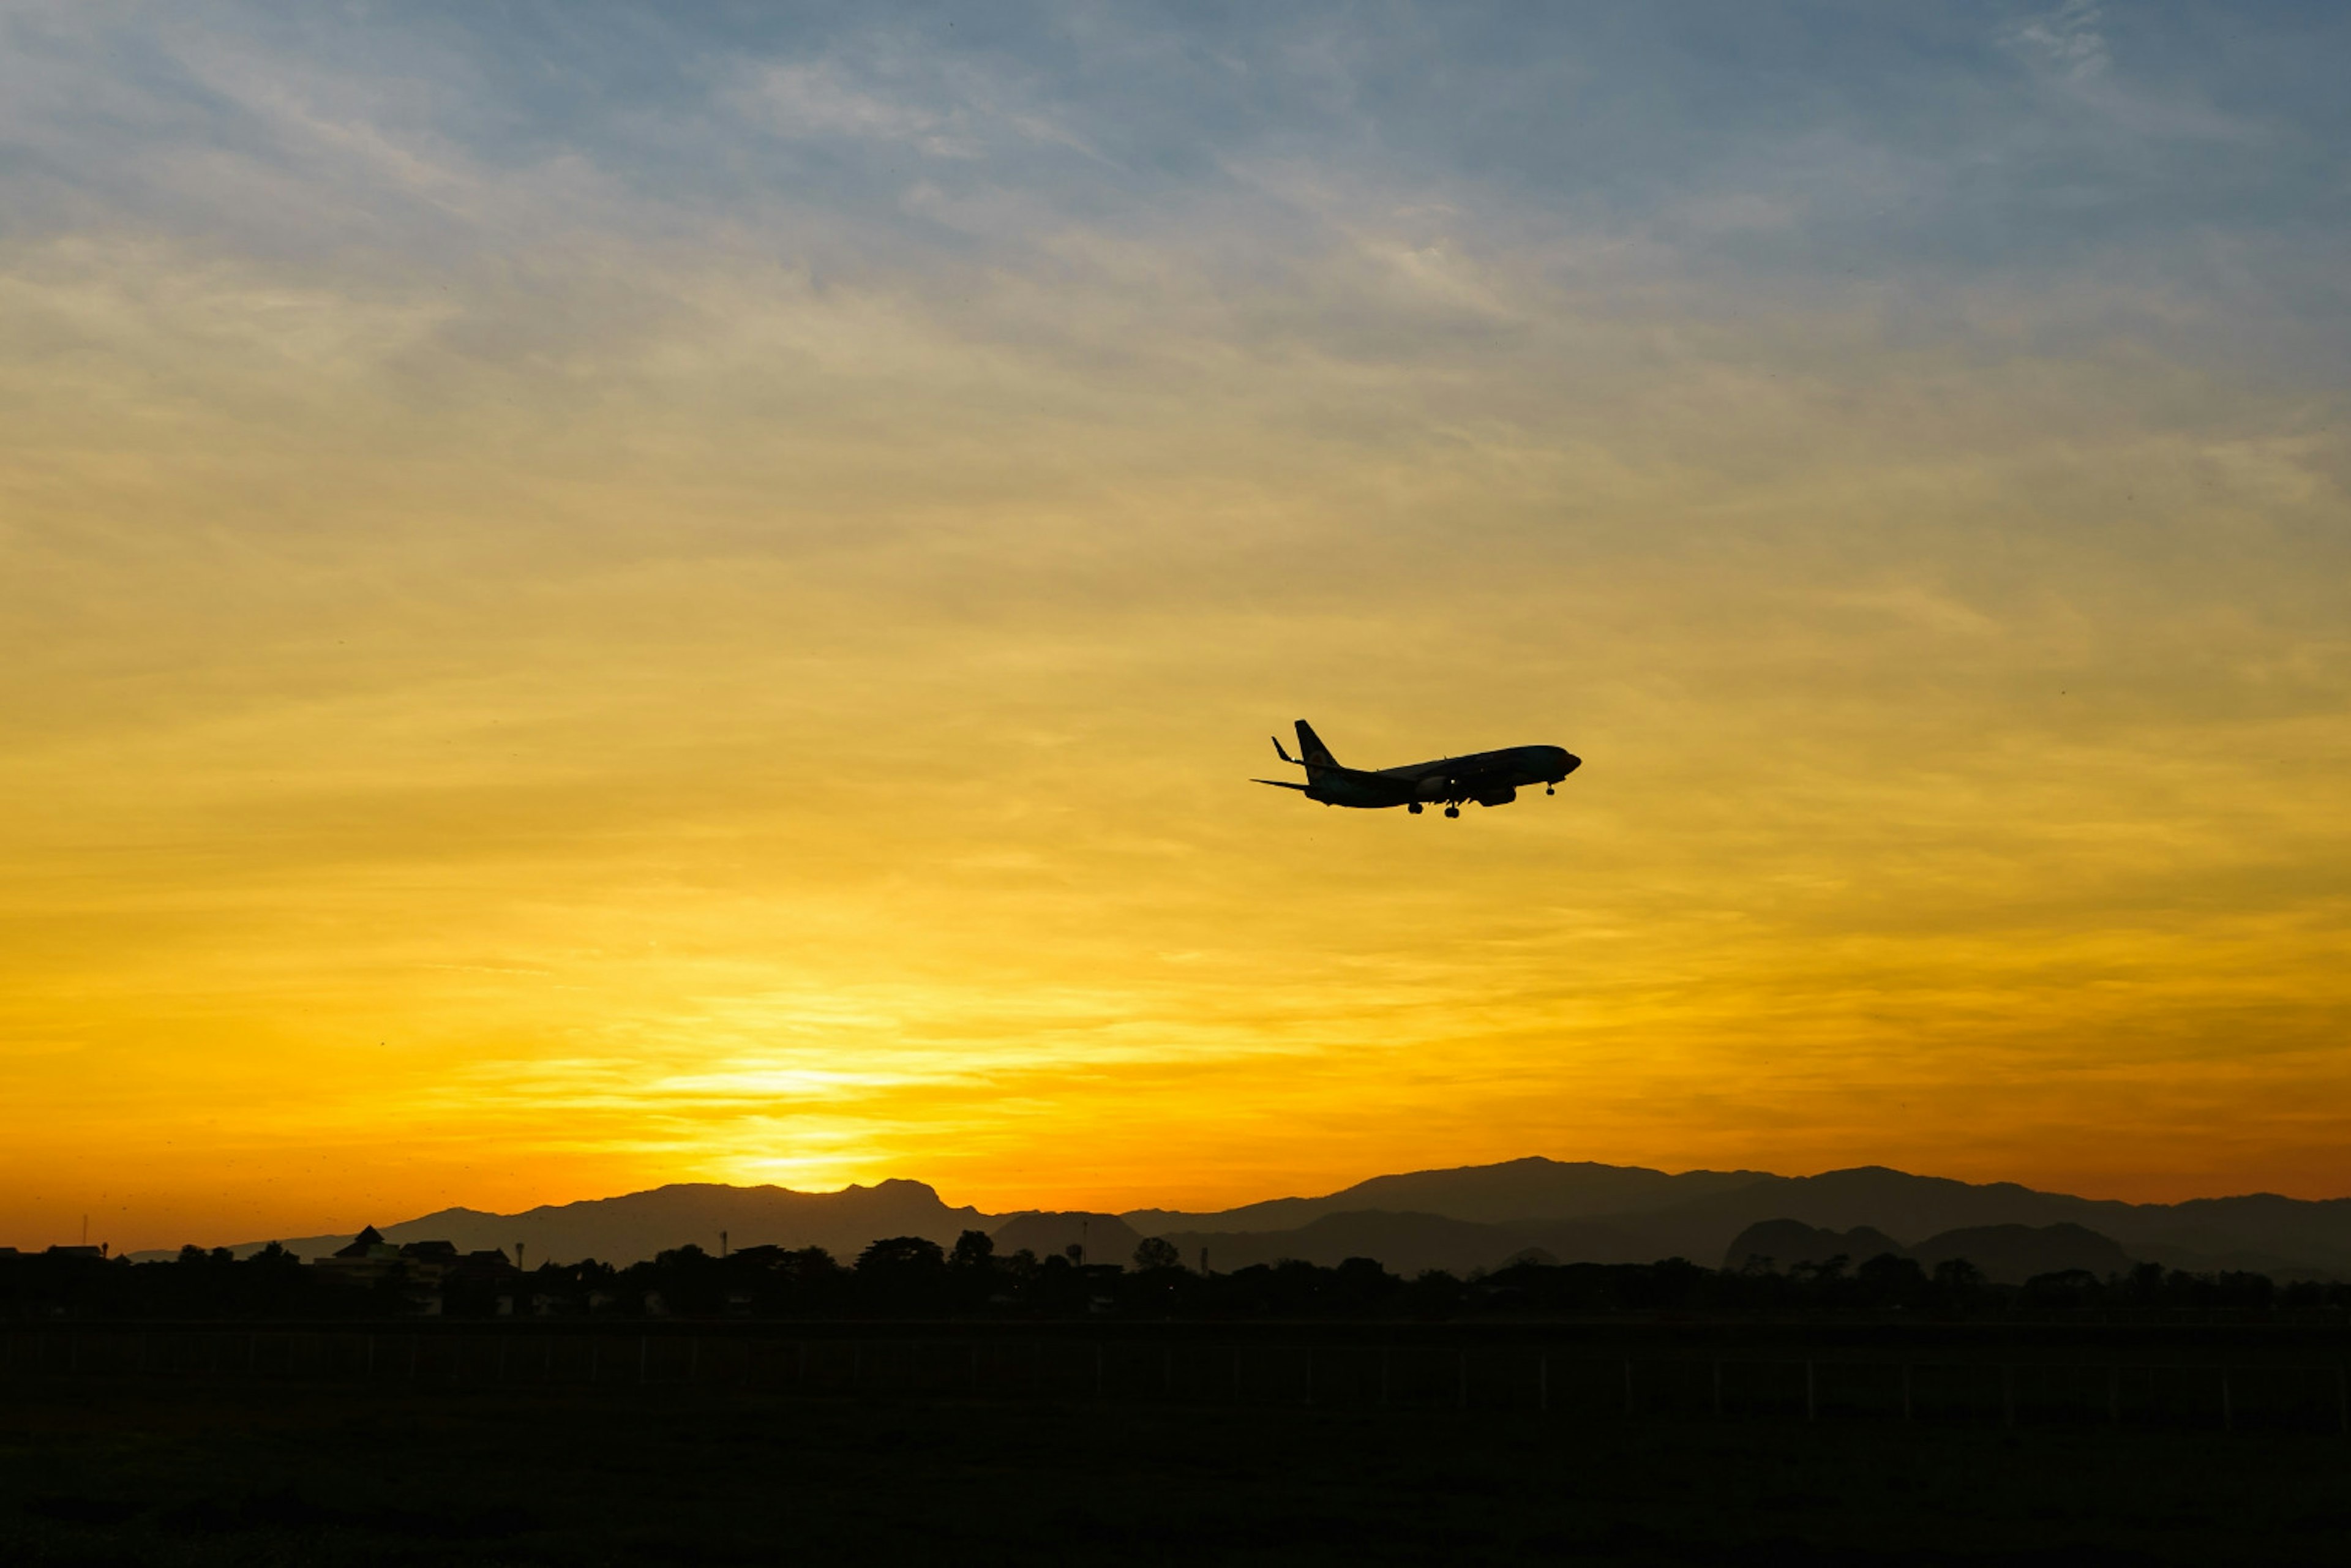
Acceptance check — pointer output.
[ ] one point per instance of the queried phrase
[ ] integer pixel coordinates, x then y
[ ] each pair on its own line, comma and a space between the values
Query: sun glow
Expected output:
726, 639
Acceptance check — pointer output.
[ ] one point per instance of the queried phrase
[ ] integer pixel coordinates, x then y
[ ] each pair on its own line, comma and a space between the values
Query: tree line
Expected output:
909, 1277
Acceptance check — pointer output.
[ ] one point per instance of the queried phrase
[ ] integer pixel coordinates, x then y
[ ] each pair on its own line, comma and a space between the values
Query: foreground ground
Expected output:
109, 1473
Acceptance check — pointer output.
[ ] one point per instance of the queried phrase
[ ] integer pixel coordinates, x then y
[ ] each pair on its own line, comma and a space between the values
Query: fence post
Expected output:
1906, 1391
1628, 1386
1387, 1355
2114, 1393
2007, 1394
2342, 1401
1461, 1364
1812, 1395
2227, 1404
1717, 1388
1543, 1382
1167, 1371
1309, 1377
1098, 1369
644, 1356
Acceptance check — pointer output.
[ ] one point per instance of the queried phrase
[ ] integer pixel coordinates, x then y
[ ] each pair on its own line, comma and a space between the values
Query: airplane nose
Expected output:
1570, 761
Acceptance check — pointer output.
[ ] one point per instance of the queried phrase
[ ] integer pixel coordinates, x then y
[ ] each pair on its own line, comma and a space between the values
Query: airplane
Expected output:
1488, 777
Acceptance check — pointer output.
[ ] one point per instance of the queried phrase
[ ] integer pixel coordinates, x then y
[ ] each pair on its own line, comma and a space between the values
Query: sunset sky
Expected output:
595, 595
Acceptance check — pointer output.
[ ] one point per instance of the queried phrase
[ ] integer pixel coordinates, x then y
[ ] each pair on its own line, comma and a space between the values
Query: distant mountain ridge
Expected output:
2007, 1254
1530, 1188
1471, 1217
635, 1225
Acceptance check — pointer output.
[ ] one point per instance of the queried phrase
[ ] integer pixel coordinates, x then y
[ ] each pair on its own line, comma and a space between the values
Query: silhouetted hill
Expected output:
1106, 1237
1405, 1243
2008, 1254
2260, 1231
2011, 1254
1699, 1214
1783, 1244
1591, 1241
1527, 1189
638, 1225
2294, 1234
1575, 1212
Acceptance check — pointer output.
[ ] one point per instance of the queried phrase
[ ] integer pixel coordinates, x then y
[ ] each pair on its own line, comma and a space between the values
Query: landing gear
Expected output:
1549, 789
1452, 810
1414, 807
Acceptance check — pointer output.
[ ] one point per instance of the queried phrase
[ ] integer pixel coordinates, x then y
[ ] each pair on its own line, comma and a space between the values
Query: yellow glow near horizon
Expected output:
608, 706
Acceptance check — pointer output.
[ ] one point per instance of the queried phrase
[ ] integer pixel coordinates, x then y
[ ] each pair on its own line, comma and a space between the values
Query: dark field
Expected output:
118, 1470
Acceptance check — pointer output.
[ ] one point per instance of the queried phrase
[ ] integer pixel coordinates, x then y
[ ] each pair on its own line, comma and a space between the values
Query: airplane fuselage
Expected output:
1488, 777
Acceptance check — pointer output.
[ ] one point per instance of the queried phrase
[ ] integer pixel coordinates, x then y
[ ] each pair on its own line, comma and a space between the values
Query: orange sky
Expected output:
532, 673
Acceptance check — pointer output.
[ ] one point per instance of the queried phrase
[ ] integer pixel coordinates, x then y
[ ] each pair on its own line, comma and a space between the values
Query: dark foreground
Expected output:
105, 1472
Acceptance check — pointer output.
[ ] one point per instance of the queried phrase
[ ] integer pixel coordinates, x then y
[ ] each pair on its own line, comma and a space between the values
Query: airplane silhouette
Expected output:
1488, 777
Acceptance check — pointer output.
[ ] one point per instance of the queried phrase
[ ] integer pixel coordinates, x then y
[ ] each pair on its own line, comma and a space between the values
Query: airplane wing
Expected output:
1279, 783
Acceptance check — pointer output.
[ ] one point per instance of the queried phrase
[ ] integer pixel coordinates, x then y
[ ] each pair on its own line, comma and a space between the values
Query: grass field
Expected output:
105, 1472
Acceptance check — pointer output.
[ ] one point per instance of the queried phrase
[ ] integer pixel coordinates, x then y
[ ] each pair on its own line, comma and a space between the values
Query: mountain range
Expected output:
2007, 1254
1474, 1216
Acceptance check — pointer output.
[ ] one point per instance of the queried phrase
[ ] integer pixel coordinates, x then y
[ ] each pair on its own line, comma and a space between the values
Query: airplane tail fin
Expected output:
1311, 749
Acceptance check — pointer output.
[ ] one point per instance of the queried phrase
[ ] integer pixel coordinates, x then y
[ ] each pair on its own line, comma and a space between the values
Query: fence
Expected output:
2312, 1395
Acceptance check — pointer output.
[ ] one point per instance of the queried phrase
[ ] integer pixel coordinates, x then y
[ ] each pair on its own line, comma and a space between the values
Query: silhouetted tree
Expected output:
2247, 1289
911, 1277
902, 1253
903, 1274
1890, 1279
1434, 1294
2065, 1290
1957, 1282
2145, 1284
1157, 1252
1359, 1285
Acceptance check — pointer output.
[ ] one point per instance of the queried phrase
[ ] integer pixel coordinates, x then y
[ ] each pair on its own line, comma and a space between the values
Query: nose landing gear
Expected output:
1550, 790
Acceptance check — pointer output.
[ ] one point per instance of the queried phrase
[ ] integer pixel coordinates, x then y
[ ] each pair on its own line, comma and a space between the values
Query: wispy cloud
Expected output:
2066, 41
817, 99
697, 590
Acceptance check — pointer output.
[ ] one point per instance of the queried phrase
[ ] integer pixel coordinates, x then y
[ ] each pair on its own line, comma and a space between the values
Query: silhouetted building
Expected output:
429, 1262
368, 1258
422, 1266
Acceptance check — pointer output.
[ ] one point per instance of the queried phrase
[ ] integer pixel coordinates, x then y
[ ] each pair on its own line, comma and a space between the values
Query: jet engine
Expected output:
1501, 797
